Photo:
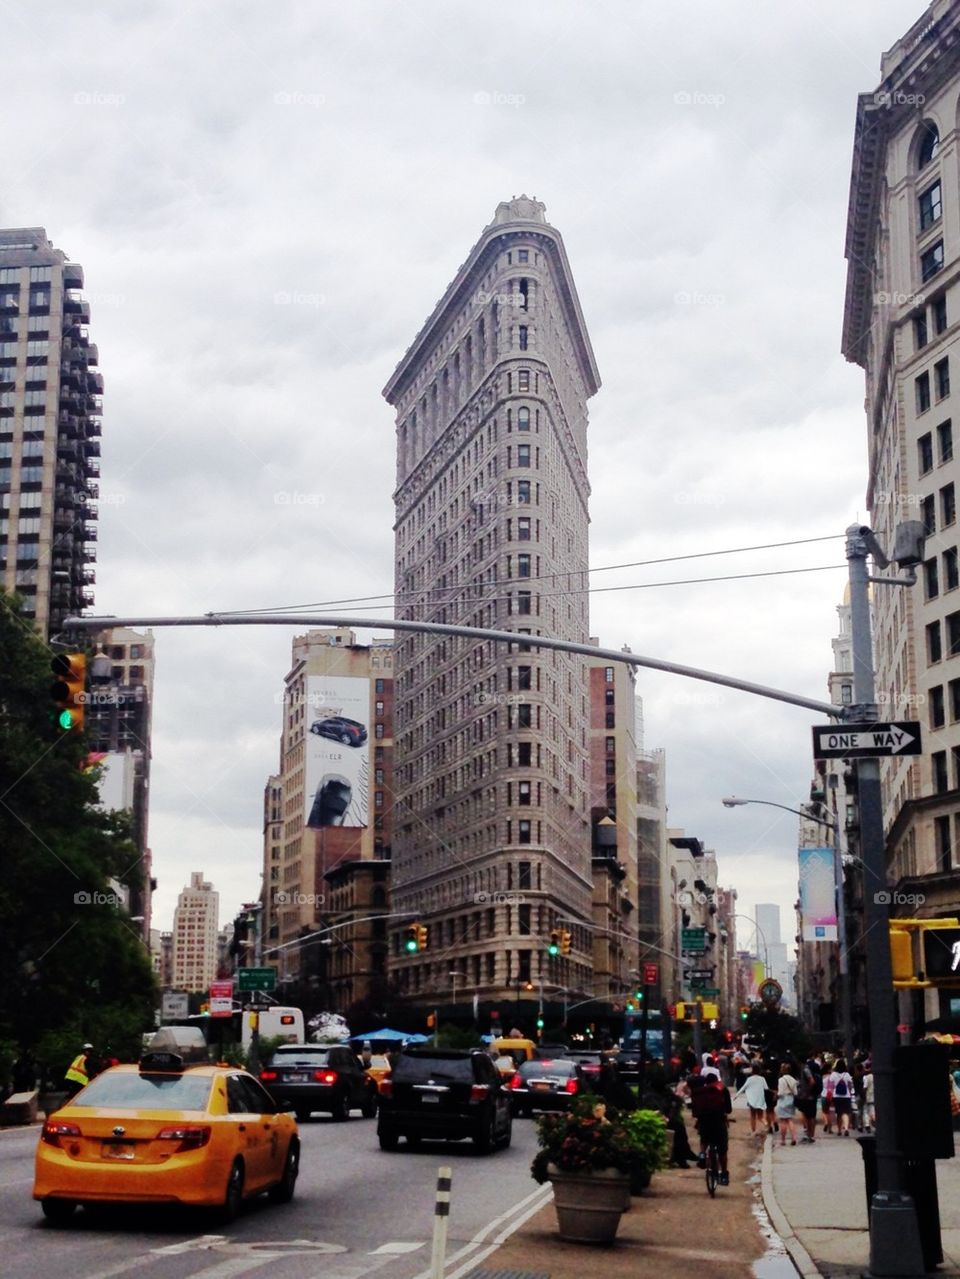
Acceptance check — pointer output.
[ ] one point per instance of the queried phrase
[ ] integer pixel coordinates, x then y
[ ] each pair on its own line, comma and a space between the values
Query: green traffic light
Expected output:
639, 996
553, 950
65, 720
539, 1023
410, 945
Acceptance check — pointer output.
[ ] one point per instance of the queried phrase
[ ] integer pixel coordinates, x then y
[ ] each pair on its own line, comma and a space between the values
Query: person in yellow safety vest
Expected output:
78, 1072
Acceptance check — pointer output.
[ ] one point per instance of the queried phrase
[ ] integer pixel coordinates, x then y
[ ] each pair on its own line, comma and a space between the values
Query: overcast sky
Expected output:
269, 199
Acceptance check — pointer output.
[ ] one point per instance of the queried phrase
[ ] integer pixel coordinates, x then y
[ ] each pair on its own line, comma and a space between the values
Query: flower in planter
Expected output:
591, 1137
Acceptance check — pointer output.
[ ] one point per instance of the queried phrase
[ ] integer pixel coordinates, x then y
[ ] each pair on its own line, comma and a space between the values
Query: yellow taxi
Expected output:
379, 1068
163, 1132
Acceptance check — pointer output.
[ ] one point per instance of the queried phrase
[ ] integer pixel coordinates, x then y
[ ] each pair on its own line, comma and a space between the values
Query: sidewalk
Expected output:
817, 1203
672, 1230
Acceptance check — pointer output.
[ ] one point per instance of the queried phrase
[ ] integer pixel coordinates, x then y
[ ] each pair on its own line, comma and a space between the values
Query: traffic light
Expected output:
556, 938
901, 954
431, 1021
411, 942
69, 690
744, 1012
564, 942
638, 996
539, 1023
421, 936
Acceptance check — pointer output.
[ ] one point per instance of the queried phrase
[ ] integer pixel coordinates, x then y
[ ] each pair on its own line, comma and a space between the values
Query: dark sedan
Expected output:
545, 1085
448, 1094
309, 1077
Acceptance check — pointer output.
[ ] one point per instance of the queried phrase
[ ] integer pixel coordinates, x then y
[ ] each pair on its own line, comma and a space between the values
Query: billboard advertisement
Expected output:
818, 898
337, 752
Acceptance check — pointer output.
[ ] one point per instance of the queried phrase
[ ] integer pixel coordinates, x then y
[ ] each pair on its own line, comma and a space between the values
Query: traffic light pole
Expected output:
894, 1233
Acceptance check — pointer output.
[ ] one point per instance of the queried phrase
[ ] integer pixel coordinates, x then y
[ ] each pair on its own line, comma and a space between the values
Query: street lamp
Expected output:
831, 823
454, 975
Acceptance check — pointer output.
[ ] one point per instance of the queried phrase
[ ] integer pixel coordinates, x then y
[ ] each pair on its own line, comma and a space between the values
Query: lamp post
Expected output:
453, 976
833, 825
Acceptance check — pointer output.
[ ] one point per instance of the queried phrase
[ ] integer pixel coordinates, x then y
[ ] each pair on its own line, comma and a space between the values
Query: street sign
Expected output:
174, 1003
693, 939
695, 974
651, 974
866, 741
711, 992
257, 979
221, 998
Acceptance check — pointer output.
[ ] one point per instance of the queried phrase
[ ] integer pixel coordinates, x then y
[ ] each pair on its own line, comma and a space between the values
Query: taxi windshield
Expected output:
128, 1091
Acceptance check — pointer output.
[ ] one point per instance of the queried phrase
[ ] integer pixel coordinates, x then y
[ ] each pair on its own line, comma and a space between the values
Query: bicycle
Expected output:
712, 1155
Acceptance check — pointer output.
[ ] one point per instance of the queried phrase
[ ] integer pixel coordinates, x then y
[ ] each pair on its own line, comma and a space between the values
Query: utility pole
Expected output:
894, 1234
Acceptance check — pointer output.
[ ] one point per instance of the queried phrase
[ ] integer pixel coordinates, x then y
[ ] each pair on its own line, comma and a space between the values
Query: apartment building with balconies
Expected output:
50, 407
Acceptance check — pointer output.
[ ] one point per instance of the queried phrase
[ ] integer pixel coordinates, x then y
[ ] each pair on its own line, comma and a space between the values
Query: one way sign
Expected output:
862, 741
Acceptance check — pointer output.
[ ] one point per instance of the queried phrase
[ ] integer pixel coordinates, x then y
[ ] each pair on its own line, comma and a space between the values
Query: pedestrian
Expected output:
771, 1073
869, 1108
827, 1099
80, 1071
786, 1104
842, 1096
808, 1090
754, 1088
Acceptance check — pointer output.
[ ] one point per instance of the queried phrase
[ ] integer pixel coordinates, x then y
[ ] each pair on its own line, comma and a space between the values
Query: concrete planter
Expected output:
589, 1205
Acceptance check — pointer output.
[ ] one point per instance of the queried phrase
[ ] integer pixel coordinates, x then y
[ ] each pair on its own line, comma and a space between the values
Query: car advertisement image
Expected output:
337, 760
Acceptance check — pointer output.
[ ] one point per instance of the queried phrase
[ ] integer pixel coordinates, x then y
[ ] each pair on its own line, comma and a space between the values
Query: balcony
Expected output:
93, 353
92, 466
89, 576
92, 489
94, 382
89, 532
92, 448
94, 426
62, 520
68, 424
94, 405
87, 598
72, 275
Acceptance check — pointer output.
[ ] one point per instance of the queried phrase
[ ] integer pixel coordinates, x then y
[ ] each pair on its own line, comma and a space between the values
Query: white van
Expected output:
275, 1022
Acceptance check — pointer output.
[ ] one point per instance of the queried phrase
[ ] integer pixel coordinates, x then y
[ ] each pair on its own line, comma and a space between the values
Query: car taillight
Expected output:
53, 1130
516, 1081
268, 1075
479, 1092
325, 1076
386, 1087
571, 1086
190, 1138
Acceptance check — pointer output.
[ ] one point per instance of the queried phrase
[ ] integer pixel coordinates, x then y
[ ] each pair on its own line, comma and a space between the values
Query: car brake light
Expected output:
571, 1086
386, 1087
516, 1081
54, 1130
190, 1138
268, 1075
325, 1076
479, 1092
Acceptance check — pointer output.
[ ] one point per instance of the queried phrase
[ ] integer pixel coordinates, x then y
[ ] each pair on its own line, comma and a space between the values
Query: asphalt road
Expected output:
357, 1210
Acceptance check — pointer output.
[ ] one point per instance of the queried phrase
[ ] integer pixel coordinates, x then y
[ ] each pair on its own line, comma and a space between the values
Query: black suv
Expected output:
447, 1094
309, 1077
348, 731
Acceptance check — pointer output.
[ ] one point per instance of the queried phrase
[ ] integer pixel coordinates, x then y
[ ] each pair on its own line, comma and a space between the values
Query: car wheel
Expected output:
369, 1107
341, 1111
388, 1140
302, 1116
57, 1211
282, 1192
346, 739
486, 1138
315, 728
508, 1135
233, 1195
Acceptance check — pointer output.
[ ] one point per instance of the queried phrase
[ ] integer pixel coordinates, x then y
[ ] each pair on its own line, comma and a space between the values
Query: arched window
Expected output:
929, 144
523, 419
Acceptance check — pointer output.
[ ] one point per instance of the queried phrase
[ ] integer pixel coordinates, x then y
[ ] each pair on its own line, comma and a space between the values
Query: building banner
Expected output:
337, 754
818, 896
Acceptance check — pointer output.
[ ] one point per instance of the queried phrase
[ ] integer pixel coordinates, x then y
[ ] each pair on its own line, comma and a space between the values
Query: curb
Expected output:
804, 1263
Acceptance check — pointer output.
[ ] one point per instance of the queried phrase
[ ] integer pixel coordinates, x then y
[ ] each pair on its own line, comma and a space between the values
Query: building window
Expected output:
925, 453
951, 569
523, 529
945, 441
523, 419
378, 730
523, 491
922, 386
940, 314
523, 455
938, 763
608, 674
524, 793
378, 708
378, 799
609, 719
948, 505
928, 514
523, 327
931, 261
930, 207
920, 338
378, 686
953, 634
524, 715
525, 753
934, 644
954, 687
523, 255
524, 599
523, 565
846, 694
937, 715
942, 835
523, 384
610, 745
929, 145
523, 921
941, 373
524, 829
931, 579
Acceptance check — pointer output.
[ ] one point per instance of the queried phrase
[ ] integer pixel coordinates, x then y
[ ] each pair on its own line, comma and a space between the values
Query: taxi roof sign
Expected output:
161, 1063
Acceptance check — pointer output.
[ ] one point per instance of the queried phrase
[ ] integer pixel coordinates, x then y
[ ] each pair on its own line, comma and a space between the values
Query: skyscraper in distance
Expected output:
492, 841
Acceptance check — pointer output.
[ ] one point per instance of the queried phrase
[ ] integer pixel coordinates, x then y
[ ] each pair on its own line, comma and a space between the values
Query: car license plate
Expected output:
297, 1077
541, 1086
116, 1150
431, 1097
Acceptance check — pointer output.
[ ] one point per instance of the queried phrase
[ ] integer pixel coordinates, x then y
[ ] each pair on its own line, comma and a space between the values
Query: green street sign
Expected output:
710, 992
699, 984
693, 939
257, 979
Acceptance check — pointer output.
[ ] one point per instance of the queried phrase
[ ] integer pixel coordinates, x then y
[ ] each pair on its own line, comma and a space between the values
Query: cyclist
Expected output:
710, 1103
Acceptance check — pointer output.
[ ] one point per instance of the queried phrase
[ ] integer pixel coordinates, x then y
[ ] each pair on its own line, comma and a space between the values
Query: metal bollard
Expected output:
441, 1216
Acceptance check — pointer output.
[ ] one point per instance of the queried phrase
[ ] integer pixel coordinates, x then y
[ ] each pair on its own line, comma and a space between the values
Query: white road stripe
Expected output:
501, 1237
536, 1200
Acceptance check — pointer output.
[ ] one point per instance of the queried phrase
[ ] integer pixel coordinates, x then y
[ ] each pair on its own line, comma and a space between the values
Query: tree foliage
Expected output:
74, 968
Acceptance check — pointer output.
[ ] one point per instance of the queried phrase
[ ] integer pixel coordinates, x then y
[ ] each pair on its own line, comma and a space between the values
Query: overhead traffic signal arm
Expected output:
69, 690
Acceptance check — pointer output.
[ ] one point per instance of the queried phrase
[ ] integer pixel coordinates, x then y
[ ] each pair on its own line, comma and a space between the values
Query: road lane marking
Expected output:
535, 1200
501, 1238
396, 1248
